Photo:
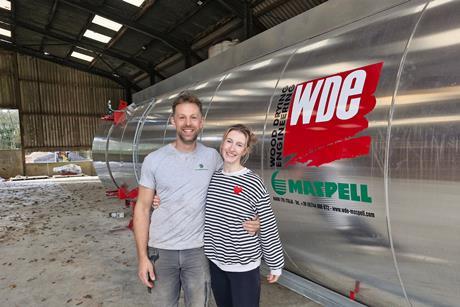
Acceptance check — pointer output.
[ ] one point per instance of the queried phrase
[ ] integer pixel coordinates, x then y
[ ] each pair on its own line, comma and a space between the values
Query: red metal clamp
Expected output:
119, 114
356, 290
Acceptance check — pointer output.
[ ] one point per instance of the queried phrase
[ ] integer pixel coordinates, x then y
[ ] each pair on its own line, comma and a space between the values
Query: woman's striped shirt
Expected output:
231, 200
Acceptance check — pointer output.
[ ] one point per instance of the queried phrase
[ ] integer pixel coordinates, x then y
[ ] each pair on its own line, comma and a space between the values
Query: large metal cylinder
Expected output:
361, 192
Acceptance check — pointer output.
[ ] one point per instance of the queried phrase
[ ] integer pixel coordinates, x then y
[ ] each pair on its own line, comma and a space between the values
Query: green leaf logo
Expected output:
279, 185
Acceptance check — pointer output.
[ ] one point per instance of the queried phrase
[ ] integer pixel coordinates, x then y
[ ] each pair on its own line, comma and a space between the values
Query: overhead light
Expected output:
144, 47
46, 53
97, 36
199, 2
107, 23
85, 49
135, 2
82, 56
116, 75
5, 32
5, 4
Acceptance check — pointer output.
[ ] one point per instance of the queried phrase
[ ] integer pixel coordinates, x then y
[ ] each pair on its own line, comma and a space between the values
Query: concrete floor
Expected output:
60, 248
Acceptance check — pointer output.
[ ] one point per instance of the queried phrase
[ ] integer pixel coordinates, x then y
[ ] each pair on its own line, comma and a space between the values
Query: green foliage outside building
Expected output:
10, 137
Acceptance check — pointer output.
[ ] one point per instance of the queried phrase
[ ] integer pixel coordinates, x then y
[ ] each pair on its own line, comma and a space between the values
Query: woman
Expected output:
237, 194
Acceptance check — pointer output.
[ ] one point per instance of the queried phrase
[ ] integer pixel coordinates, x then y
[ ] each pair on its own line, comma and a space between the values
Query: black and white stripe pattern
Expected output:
231, 200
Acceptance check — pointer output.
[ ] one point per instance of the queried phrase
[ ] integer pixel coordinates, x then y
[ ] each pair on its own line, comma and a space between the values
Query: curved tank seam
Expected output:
222, 79
107, 162
137, 136
165, 128
262, 170
125, 125
387, 151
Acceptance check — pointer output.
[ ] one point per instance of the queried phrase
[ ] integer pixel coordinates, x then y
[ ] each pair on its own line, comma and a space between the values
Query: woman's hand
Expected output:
272, 278
156, 202
252, 226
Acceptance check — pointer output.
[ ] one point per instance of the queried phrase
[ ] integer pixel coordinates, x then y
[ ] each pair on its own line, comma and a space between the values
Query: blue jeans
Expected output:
180, 268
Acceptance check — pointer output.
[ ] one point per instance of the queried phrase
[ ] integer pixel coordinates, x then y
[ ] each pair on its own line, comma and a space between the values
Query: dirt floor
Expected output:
59, 247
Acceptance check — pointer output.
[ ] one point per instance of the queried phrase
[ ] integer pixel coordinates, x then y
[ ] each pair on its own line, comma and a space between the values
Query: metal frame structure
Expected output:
132, 69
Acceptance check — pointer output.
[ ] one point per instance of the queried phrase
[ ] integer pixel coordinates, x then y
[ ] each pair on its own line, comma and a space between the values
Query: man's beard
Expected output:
188, 141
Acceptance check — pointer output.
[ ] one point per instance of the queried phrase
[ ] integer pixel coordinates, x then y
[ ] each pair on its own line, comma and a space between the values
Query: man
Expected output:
172, 237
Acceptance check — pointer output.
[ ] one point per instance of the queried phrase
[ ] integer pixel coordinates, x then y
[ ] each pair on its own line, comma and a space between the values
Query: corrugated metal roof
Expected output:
273, 12
152, 35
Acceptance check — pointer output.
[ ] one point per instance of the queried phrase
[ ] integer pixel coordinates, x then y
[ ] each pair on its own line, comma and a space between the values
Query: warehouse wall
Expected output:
10, 163
59, 106
7, 81
38, 169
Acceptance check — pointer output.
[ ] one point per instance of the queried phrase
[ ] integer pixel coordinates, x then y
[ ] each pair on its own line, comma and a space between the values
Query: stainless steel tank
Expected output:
364, 194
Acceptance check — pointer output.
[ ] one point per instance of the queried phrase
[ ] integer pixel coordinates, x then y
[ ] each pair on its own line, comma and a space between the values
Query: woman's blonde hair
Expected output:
251, 139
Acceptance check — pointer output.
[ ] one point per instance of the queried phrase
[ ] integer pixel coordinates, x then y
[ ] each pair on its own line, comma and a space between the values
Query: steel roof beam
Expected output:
244, 12
143, 66
248, 21
13, 16
257, 2
80, 36
204, 42
174, 44
51, 15
27, 51
179, 22
145, 7
271, 7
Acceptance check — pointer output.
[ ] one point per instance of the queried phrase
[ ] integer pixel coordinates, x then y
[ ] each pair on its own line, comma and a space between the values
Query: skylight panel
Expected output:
135, 2
5, 32
82, 56
97, 36
107, 23
5, 4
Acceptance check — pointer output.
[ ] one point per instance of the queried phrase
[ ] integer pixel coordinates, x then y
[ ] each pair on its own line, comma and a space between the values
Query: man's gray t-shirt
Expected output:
181, 180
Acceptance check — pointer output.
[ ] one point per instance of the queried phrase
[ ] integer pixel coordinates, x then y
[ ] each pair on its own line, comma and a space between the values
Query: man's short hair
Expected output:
187, 97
